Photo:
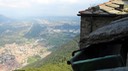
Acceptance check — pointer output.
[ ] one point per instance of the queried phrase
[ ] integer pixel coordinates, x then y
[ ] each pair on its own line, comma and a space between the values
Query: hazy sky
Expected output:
25, 8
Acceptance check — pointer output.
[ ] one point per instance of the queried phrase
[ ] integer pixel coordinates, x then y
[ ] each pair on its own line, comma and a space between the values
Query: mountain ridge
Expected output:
4, 19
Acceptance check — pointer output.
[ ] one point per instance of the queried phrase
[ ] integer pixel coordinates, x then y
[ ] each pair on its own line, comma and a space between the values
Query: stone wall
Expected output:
85, 27
96, 22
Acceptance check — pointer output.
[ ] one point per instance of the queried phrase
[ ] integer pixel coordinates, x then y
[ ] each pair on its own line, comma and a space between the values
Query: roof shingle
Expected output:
111, 7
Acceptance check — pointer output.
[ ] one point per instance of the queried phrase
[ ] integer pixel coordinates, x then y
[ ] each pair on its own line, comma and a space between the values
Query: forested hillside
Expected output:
57, 60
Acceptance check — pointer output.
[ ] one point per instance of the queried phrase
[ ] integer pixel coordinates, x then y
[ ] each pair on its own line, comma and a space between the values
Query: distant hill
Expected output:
4, 19
67, 27
34, 31
5, 24
57, 60
53, 33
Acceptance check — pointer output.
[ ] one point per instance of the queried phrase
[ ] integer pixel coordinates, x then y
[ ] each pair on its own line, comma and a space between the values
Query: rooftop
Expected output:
113, 7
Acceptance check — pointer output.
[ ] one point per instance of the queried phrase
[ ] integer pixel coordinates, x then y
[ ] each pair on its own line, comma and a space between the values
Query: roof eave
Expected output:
101, 15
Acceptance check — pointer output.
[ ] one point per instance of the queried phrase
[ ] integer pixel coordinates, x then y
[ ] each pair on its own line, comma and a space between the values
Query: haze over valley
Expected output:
28, 40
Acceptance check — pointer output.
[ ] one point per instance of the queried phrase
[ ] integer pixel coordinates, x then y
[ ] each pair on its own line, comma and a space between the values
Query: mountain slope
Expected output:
57, 60
34, 31
4, 18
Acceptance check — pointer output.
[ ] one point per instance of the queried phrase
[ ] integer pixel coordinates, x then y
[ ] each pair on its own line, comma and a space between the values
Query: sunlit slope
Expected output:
57, 60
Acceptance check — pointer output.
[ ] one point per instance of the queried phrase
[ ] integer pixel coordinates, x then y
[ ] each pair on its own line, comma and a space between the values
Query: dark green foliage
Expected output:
57, 60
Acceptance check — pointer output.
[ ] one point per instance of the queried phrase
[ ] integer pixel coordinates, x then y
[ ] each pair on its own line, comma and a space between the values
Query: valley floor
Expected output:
13, 56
